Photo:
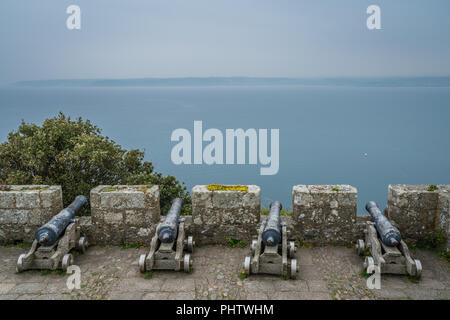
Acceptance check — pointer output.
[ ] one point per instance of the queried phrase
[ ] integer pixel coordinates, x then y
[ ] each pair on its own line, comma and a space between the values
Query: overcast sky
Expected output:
177, 38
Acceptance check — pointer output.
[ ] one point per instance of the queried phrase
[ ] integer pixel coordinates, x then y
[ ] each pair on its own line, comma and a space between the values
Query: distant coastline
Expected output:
242, 81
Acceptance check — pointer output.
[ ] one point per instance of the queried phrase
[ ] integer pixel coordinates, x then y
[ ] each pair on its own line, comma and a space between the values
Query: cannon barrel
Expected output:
272, 235
389, 234
168, 229
52, 230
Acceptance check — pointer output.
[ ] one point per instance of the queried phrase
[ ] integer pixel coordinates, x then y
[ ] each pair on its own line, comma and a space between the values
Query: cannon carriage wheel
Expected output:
141, 263
247, 265
19, 266
187, 263
418, 268
368, 262
82, 244
292, 249
294, 269
67, 260
190, 244
253, 246
360, 246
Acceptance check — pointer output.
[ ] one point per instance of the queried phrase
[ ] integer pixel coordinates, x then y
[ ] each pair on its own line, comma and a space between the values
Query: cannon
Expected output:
389, 234
54, 241
387, 249
270, 252
169, 244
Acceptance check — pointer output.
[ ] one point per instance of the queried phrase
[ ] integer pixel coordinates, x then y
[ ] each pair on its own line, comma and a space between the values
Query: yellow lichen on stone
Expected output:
223, 187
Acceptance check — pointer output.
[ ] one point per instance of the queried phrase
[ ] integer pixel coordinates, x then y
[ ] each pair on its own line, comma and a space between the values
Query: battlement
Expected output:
322, 214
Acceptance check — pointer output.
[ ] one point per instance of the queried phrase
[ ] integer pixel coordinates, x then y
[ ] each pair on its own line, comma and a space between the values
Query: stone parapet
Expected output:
325, 213
25, 208
124, 214
218, 215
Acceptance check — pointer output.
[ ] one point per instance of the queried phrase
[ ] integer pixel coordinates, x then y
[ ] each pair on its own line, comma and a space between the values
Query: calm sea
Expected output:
325, 132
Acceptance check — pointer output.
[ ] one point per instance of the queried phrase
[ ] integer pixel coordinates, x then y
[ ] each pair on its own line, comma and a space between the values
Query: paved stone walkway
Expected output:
325, 273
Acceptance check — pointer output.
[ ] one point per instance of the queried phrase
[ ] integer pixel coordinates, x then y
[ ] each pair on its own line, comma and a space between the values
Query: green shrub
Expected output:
432, 187
74, 154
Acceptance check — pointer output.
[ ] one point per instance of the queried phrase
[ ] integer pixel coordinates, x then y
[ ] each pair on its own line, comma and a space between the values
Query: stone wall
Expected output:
123, 214
24, 208
417, 211
444, 214
325, 213
217, 215
322, 214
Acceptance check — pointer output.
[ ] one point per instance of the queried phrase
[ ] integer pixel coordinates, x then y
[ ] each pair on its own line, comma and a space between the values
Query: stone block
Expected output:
24, 208
324, 213
124, 214
417, 211
217, 215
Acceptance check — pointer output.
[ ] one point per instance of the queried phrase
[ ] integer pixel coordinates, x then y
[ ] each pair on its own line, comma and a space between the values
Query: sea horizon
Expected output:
369, 81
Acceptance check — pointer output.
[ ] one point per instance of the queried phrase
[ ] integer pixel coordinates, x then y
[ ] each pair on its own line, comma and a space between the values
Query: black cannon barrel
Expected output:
168, 230
388, 233
52, 230
272, 235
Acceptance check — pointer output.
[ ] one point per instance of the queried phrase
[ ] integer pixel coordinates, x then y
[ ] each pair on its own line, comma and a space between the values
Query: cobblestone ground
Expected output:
325, 273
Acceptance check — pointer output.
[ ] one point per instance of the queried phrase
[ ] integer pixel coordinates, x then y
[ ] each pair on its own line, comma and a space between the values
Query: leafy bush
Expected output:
76, 156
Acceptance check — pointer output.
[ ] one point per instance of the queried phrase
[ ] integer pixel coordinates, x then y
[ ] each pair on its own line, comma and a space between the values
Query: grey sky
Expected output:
176, 38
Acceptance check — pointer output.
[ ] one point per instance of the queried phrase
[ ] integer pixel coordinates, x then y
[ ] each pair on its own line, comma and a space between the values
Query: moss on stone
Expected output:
123, 188
34, 188
265, 212
28, 188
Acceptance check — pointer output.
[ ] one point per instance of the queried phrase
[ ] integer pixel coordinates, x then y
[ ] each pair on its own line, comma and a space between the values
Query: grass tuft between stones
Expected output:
444, 254
134, 245
235, 243
242, 275
412, 278
364, 274
432, 240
